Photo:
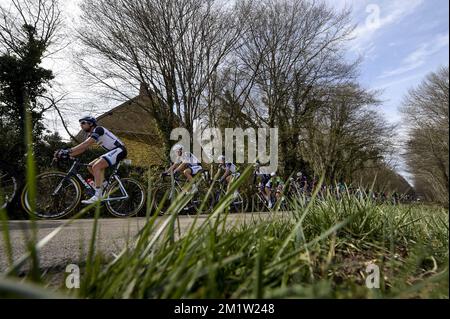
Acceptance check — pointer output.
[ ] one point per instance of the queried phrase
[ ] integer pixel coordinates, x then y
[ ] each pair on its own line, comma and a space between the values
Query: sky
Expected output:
409, 39
401, 41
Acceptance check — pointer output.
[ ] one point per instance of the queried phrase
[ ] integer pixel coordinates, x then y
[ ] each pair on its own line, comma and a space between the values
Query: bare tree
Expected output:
250, 64
426, 112
173, 47
290, 48
346, 134
382, 177
43, 16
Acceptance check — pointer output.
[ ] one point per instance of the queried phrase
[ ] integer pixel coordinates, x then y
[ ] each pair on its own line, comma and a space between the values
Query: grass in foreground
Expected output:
320, 250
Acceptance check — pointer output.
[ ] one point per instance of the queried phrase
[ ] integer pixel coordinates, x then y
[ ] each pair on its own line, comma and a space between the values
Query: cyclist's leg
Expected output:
192, 171
98, 169
231, 179
90, 167
228, 180
267, 191
99, 173
278, 194
112, 158
189, 174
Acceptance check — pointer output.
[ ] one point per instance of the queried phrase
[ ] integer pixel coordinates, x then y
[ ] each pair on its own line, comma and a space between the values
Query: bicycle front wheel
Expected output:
120, 205
58, 196
239, 203
259, 204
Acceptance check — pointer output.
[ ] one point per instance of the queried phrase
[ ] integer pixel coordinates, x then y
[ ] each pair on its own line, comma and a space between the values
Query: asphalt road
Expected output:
72, 243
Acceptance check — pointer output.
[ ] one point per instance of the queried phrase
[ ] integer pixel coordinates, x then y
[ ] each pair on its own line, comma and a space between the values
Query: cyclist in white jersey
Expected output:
186, 163
115, 148
229, 168
230, 173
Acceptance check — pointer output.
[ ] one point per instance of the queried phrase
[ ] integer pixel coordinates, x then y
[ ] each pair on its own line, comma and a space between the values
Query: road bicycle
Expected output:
165, 185
260, 202
59, 194
239, 203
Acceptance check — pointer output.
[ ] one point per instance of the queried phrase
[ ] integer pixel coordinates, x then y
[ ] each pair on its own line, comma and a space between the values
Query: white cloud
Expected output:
380, 16
419, 57
402, 80
356, 5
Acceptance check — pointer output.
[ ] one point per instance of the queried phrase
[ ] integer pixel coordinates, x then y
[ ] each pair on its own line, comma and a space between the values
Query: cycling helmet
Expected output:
273, 174
221, 158
89, 119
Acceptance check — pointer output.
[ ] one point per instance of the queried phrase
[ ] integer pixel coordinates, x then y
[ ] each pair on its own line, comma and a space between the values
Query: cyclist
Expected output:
264, 180
186, 163
275, 184
302, 182
230, 171
116, 152
340, 189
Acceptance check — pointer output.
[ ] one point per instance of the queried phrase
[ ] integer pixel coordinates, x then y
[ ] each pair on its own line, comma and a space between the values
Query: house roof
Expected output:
130, 119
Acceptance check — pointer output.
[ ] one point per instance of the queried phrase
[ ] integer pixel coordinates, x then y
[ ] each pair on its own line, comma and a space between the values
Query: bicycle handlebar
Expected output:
168, 175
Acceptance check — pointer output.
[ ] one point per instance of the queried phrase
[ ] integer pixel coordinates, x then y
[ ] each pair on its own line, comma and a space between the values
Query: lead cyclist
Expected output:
116, 152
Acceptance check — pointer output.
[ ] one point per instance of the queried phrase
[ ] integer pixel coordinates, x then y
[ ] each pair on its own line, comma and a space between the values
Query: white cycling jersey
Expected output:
230, 166
106, 139
187, 158
192, 161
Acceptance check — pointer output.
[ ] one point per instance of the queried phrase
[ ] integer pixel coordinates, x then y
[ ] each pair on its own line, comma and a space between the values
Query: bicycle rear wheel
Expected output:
125, 207
8, 187
58, 196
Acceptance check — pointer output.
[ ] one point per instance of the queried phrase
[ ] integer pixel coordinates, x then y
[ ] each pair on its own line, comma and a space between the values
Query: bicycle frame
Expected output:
177, 185
73, 172
221, 191
122, 189
260, 195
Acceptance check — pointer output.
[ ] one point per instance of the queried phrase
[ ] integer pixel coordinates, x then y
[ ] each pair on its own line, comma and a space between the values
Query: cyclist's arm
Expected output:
172, 168
81, 148
180, 167
226, 174
185, 161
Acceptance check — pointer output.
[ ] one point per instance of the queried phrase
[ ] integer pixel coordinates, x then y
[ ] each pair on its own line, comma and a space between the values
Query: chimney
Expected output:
143, 90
